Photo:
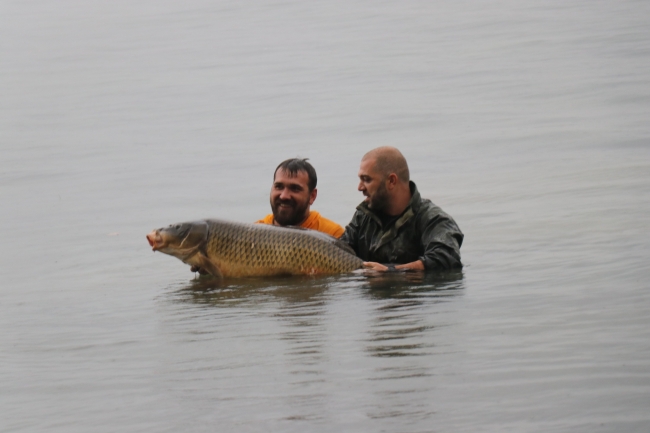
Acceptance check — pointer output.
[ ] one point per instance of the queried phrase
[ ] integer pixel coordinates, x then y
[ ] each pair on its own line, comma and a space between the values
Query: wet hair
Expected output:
294, 165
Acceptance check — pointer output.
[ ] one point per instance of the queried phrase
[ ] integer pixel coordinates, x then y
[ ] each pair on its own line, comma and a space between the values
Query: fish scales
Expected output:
255, 249
225, 248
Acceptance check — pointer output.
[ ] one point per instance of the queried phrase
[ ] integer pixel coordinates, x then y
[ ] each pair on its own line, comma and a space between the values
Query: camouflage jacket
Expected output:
422, 232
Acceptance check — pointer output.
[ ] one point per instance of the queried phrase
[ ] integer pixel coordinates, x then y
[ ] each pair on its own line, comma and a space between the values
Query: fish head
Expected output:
180, 240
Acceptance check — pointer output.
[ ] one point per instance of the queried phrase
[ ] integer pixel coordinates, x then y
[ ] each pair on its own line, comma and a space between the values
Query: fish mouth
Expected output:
154, 240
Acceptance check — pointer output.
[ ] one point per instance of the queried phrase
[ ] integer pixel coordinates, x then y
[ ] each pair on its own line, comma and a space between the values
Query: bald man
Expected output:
394, 228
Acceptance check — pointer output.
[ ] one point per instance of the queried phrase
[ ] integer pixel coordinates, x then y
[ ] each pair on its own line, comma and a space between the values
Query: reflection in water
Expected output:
413, 284
401, 336
210, 291
297, 303
293, 309
398, 315
399, 323
296, 289
400, 320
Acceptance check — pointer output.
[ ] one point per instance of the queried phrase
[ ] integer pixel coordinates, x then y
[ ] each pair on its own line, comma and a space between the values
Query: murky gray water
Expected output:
526, 122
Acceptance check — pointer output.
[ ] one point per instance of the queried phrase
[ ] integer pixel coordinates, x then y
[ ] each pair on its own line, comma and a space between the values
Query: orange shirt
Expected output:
314, 222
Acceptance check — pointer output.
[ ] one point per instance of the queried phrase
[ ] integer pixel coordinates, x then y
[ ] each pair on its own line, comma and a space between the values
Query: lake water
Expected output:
528, 122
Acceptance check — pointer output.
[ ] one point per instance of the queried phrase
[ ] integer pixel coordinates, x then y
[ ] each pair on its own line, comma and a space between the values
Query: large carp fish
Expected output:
228, 249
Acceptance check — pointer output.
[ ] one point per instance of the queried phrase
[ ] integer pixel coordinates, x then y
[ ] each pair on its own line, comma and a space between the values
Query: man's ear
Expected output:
391, 181
312, 196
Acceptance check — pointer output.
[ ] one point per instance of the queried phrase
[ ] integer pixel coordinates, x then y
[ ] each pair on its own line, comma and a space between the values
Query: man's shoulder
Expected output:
430, 213
428, 209
423, 207
266, 220
316, 221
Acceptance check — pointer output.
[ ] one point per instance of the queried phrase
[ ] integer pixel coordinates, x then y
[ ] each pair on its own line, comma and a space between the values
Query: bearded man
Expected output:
394, 225
292, 194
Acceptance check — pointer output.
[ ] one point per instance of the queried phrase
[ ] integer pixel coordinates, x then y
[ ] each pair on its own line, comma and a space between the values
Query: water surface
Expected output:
528, 123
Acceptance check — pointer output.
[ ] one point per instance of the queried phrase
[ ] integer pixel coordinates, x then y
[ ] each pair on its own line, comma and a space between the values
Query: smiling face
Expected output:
291, 198
373, 185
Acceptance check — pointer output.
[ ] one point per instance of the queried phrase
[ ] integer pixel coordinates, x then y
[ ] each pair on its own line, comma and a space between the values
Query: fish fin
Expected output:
205, 264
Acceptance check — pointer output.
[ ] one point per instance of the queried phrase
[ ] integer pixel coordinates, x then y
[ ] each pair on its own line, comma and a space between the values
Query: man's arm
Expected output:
413, 266
441, 240
351, 234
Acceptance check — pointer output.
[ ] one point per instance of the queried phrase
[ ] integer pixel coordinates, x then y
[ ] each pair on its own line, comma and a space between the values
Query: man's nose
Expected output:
360, 187
285, 195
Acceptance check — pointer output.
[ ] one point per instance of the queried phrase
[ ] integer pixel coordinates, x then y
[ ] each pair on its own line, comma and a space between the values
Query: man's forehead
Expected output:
367, 167
299, 176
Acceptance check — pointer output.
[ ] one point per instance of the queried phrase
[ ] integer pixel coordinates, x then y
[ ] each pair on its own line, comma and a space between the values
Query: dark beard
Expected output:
292, 218
380, 200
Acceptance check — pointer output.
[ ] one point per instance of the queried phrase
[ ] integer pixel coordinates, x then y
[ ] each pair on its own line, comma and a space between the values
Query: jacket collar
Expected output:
414, 204
391, 232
